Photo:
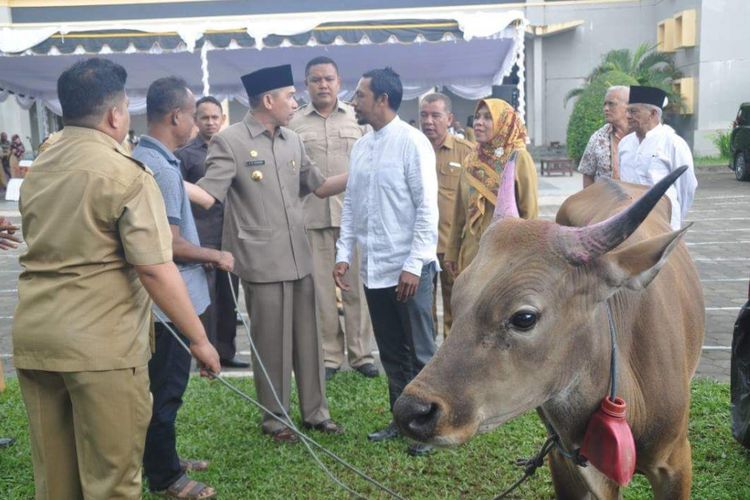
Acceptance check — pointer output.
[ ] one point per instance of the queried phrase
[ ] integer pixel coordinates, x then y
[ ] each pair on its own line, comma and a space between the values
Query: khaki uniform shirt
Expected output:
90, 213
450, 157
328, 142
261, 179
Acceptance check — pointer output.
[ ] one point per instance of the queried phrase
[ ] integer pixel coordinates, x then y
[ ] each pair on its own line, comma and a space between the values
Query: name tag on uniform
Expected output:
255, 163
454, 164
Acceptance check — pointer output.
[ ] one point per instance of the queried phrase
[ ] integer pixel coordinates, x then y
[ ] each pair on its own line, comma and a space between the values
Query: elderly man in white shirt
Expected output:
653, 150
391, 212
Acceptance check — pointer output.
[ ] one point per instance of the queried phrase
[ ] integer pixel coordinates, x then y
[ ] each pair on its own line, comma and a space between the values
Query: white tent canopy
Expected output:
468, 62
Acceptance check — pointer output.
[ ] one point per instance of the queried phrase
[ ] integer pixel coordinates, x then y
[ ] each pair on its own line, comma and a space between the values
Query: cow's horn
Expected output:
506, 193
581, 245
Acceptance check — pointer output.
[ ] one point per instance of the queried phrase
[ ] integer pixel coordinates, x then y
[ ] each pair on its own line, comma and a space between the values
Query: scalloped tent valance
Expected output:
468, 52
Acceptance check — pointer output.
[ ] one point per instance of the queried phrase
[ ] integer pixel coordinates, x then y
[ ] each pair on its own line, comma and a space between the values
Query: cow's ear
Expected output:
636, 265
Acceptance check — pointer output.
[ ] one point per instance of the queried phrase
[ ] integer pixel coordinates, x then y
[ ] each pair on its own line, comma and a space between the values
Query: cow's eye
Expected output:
524, 320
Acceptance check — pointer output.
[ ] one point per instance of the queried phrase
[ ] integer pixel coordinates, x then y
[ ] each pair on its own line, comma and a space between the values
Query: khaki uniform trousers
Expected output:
88, 430
356, 337
284, 332
446, 289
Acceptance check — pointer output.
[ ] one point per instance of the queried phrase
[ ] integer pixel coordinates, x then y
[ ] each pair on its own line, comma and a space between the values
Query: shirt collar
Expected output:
448, 142
198, 142
310, 108
152, 143
655, 131
92, 133
256, 128
392, 125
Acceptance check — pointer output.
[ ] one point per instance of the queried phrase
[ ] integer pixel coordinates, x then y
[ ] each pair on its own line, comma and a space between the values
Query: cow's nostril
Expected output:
417, 418
426, 418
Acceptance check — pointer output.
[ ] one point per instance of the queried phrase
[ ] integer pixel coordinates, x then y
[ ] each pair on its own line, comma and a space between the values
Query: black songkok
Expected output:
266, 79
648, 95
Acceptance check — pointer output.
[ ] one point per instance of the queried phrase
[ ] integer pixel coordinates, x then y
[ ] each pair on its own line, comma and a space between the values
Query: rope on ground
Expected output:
287, 419
309, 442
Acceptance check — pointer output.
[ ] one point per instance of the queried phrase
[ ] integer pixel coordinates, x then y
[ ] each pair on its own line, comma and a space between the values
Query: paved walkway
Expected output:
718, 242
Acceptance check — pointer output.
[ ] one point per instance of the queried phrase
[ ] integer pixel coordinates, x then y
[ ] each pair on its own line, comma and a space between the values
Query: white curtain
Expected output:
25, 101
137, 105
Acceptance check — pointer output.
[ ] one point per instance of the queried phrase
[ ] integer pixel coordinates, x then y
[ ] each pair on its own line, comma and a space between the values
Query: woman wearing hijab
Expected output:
501, 138
16, 154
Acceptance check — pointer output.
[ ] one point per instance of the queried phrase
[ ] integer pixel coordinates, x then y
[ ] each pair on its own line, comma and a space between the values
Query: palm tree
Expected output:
646, 65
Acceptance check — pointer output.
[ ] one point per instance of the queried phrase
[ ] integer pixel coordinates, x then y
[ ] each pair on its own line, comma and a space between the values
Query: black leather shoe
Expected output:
419, 449
330, 372
234, 363
5, 442
368, 370
389, 432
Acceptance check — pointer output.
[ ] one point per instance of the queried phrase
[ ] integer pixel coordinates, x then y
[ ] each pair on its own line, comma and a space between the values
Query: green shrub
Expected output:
588, 112
722, 142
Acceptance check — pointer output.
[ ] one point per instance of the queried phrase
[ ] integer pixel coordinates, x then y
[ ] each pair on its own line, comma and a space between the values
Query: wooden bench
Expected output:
561, 165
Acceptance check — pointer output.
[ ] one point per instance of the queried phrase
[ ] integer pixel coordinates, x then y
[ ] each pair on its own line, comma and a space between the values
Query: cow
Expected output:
531, 331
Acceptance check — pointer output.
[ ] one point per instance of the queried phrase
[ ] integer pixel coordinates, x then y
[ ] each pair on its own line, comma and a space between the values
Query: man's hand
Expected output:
207, 357
451, 267
332, 185
225, 261
7, 230
407, 286
339, 271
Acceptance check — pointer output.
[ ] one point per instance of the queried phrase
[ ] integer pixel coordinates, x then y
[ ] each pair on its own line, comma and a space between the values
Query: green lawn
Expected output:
215, 424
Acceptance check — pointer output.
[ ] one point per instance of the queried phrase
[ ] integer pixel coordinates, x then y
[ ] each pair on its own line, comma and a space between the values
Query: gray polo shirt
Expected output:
166, 169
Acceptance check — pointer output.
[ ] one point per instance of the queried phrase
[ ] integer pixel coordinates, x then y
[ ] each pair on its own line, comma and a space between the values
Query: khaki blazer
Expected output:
262, 180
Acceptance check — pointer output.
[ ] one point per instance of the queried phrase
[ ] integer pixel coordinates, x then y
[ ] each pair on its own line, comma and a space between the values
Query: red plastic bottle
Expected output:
608, 443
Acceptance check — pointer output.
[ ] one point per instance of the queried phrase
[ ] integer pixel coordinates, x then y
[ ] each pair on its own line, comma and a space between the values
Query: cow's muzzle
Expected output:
415, 417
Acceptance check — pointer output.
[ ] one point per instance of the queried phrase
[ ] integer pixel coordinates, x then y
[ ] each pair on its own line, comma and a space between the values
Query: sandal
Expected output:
187, 488
284, 435
193, 465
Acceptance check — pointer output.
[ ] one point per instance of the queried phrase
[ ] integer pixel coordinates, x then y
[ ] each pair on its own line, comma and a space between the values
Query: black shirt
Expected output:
209, 222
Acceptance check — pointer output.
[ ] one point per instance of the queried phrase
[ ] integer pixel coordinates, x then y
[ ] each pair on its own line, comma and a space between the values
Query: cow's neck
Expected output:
569, 410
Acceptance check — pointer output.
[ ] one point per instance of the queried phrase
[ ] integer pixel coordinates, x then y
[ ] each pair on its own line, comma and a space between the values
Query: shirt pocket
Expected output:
449, 175
255, 233
315, 144
347, 137
391, 180
657, 167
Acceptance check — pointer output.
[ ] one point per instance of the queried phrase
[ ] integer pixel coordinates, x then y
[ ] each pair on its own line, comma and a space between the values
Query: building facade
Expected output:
565, 40
709, 40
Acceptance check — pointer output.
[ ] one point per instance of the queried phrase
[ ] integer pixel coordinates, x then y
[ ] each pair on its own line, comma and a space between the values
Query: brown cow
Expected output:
530, 331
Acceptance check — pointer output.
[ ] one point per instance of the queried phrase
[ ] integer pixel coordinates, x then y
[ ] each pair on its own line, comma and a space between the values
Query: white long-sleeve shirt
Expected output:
390, 207
647, 162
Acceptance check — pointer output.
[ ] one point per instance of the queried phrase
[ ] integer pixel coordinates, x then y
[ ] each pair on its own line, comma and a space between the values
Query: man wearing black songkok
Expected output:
259, 169
653, 150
